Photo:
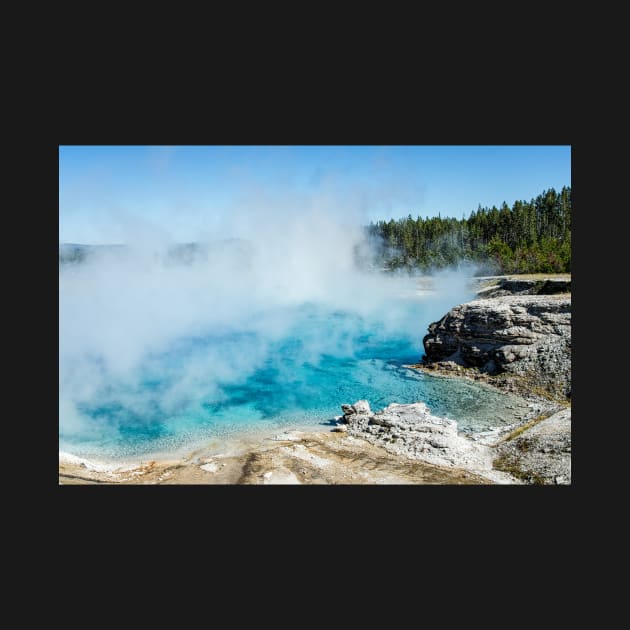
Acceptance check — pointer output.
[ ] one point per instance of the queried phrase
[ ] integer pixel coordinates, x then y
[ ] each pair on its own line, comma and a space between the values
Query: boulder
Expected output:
527, 337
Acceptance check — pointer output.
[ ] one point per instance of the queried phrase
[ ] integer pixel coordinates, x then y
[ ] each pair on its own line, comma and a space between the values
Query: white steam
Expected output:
121, 309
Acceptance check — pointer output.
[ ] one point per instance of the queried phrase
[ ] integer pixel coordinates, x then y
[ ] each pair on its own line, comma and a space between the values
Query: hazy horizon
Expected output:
186, 193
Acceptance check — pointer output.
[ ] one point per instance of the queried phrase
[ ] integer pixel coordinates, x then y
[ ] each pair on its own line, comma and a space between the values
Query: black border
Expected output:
332, 512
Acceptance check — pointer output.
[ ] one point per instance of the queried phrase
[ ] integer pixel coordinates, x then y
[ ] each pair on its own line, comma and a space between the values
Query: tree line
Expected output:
532, 237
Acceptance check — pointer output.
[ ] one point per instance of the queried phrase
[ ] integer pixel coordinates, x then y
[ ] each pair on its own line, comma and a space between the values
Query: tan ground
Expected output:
303, 458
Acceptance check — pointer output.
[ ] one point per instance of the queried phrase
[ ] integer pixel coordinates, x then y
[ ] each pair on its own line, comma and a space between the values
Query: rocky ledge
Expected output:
538, 451
520, 342
505, 285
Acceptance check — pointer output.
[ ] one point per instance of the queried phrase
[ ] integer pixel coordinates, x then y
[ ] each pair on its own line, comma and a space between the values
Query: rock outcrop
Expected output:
540, 454
524, 338
535, 452
526, 286
412, 431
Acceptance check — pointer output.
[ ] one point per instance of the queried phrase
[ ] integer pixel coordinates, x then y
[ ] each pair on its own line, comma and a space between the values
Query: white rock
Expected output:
362, 407
280, 477
287, 436
425, 437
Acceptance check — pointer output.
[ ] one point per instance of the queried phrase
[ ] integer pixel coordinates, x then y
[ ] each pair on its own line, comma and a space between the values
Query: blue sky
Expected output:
185, 190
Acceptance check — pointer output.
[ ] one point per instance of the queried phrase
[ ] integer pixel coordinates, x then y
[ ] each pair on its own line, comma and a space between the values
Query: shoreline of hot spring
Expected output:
339, 455
406, 443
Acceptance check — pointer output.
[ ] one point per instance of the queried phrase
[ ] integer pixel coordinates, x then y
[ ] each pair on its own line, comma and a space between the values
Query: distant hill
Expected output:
185, 253
77, 252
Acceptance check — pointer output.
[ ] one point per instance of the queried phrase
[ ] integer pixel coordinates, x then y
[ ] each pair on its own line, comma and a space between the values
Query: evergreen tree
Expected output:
529, 237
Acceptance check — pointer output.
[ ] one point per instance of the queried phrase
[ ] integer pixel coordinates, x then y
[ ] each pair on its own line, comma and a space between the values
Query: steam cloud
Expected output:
123, 309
